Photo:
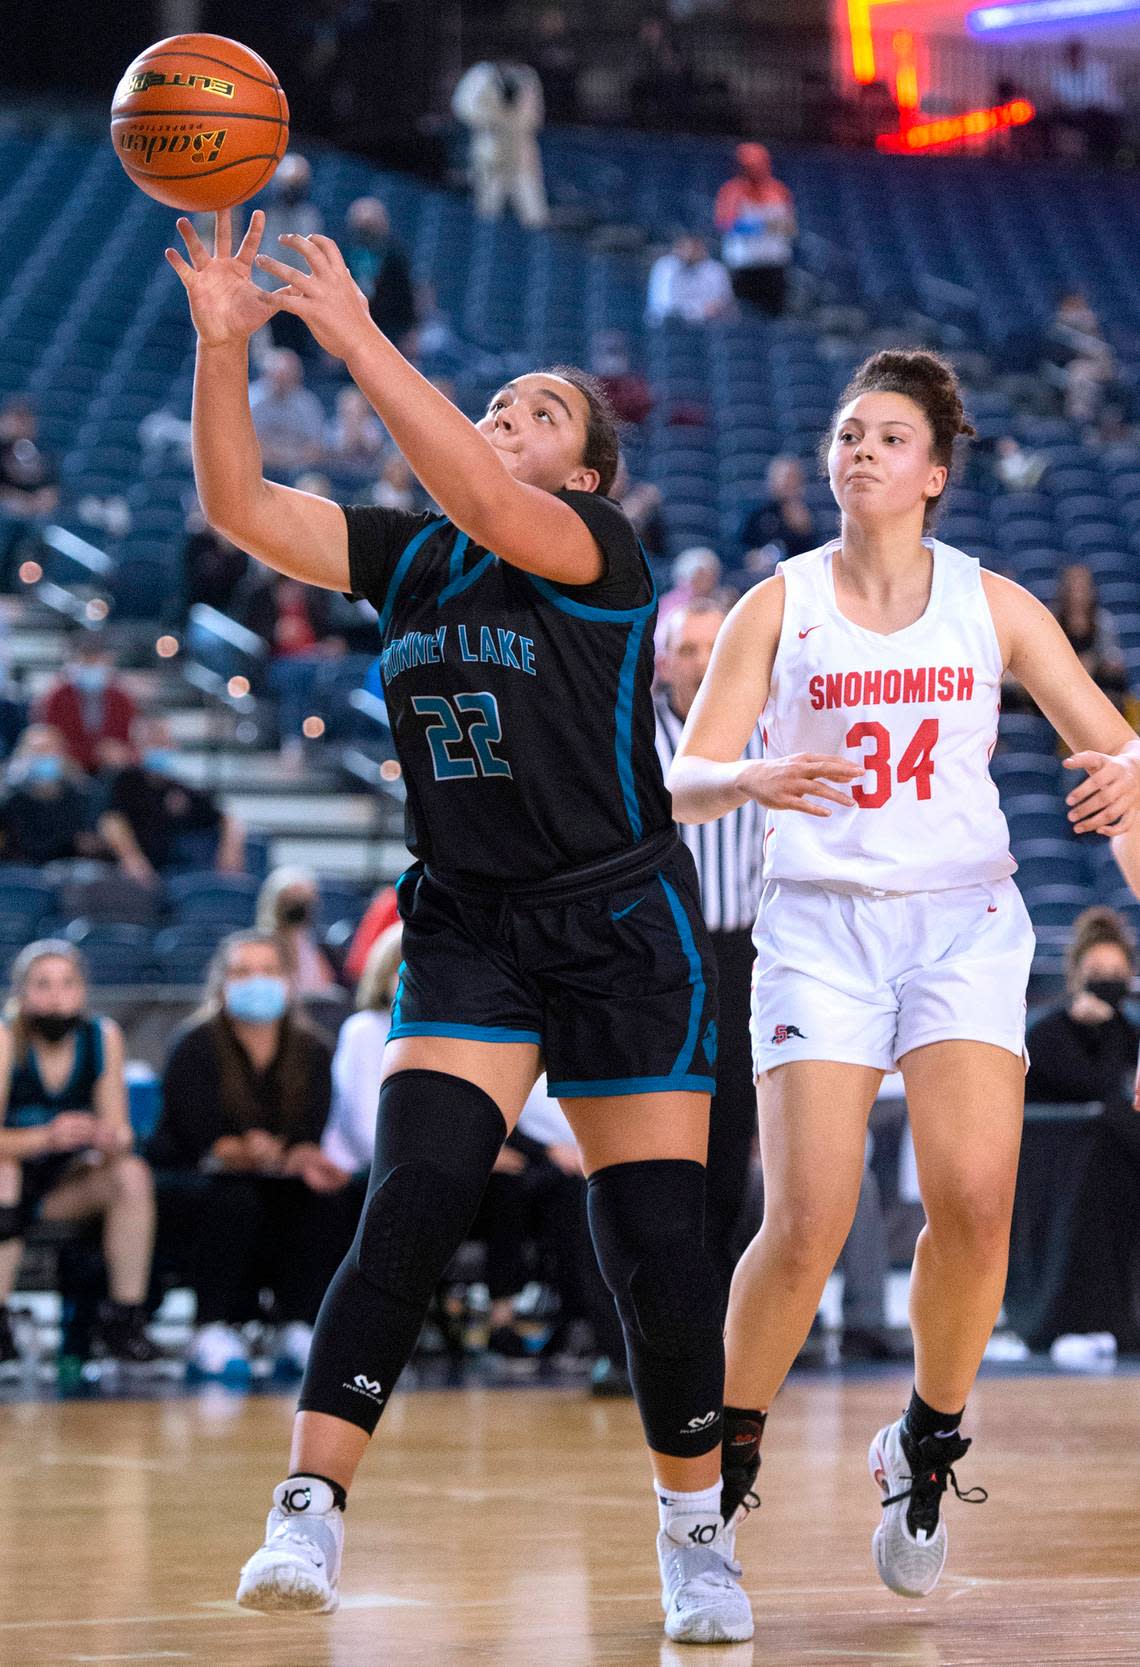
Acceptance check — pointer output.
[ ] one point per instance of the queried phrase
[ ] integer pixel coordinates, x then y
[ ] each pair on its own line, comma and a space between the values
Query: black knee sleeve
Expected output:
647, 1223
437, 1138
11, 1222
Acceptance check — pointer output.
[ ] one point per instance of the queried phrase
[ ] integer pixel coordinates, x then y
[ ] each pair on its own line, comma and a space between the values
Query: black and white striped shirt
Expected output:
728, 852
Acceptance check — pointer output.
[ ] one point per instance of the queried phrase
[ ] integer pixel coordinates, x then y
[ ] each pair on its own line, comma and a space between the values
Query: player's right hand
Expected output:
225, 304
791, 783
69, 1131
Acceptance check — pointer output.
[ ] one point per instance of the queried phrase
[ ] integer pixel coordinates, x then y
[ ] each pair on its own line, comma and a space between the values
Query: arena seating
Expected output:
100, 340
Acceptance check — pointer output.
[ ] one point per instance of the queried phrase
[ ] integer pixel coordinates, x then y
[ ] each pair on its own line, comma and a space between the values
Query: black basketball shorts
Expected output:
608, 970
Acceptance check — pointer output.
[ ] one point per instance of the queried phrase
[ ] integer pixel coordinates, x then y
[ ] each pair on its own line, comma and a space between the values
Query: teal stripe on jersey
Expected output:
402, 566
696, 977
465, 580
623, 727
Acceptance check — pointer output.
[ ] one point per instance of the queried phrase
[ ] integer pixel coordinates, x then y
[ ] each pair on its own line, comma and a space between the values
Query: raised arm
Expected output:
1038, 653
524, 525
295, 532
708, 778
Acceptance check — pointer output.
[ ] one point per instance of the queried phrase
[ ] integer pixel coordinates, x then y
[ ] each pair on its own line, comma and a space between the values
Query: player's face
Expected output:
537, 424
880, 462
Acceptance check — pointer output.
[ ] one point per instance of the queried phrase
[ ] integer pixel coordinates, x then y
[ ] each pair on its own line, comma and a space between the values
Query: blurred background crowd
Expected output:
202, 814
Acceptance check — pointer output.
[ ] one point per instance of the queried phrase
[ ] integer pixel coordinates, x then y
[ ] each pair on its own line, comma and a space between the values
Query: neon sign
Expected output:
952, 130
991, 20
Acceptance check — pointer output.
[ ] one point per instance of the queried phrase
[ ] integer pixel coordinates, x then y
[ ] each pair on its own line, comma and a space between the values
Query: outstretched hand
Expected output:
225, 303
327, 296
1106, 801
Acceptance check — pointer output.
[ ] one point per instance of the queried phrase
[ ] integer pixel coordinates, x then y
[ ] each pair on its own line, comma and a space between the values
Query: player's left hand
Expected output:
1107, 802
327, 296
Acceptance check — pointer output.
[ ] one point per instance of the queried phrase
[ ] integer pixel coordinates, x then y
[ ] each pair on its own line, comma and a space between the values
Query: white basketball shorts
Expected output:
863, 978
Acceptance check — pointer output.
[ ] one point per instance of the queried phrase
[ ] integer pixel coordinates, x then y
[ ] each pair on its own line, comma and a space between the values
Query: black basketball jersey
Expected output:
521, 709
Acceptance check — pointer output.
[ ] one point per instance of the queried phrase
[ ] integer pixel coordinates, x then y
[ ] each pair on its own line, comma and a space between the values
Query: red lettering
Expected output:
852, 687
914, 683
872, 688
815, 690
946, 682
892, 687
834, 690
965, 682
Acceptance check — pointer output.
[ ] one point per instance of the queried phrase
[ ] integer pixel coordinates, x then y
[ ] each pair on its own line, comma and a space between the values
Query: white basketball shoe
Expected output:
298, 1567
700, 1591
909, 1544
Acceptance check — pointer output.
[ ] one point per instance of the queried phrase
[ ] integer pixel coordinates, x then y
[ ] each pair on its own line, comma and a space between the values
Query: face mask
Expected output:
46, 769
159, 760
257, 1001
296, 914
1113, 991
91, 679
53, 1027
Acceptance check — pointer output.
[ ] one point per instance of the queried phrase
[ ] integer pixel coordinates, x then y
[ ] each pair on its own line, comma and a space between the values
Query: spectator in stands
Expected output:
696, 578
501, 105
29, 475
212, 567
397, 487
1086, 1047
756, 217
50, 812
626, 389
380, 914
89, 705
664, 81
781, 524
641, 501
1090, 629
357, 1063
289, 208
1017, 469
355, 440
66, 1147
289, 419
247, 1199
556, 60
170, 823
287, 906
688, 283
1088, 104
1079, 360
377, 261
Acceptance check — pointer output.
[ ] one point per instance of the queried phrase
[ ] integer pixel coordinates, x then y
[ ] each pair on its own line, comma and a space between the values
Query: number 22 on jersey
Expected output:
916, 763
457, 752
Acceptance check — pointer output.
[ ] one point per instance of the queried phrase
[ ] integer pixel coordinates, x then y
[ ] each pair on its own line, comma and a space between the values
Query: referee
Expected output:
728, 855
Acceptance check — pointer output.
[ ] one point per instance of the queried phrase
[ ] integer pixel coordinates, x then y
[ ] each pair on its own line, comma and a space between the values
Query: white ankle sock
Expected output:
694, 1507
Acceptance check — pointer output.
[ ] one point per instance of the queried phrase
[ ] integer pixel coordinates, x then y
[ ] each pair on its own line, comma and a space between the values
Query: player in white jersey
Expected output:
890, 933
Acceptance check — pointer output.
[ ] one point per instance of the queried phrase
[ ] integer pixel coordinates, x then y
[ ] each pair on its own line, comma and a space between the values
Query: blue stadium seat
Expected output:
208, 898
114, 953
183, 953
1057, 906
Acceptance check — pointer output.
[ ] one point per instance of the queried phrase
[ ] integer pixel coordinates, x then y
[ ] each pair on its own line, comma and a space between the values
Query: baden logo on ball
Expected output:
199, 122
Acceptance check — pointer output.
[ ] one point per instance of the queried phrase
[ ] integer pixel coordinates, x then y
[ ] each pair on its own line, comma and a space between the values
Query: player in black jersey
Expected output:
551, 916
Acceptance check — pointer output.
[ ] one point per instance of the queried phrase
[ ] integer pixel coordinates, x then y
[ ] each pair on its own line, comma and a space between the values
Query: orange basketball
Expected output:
199, 122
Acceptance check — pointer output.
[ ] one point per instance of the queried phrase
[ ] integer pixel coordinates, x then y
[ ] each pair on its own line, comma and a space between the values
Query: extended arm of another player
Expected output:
704, 775
1041, 657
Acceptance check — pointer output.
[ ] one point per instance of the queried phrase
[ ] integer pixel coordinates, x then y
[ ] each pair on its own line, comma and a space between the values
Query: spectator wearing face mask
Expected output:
169, 822
287, 906
241, 1175
50, 812
1086, 1048
289, 208
66, 1148
89, 704
377, 261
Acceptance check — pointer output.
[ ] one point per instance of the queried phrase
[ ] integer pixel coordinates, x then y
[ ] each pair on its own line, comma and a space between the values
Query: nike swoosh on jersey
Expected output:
809, 631
628, 910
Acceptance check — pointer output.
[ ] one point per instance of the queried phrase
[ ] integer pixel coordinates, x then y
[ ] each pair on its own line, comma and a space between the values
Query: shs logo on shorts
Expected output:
784, 1033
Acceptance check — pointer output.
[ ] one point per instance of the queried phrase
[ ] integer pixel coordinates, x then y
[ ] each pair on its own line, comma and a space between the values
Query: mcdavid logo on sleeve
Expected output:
784, 1033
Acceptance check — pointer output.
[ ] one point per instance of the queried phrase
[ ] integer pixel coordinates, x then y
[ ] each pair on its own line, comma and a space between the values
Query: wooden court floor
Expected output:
515, 1528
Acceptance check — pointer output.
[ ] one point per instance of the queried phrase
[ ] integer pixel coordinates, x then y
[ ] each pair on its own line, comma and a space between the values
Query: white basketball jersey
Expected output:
919, 708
